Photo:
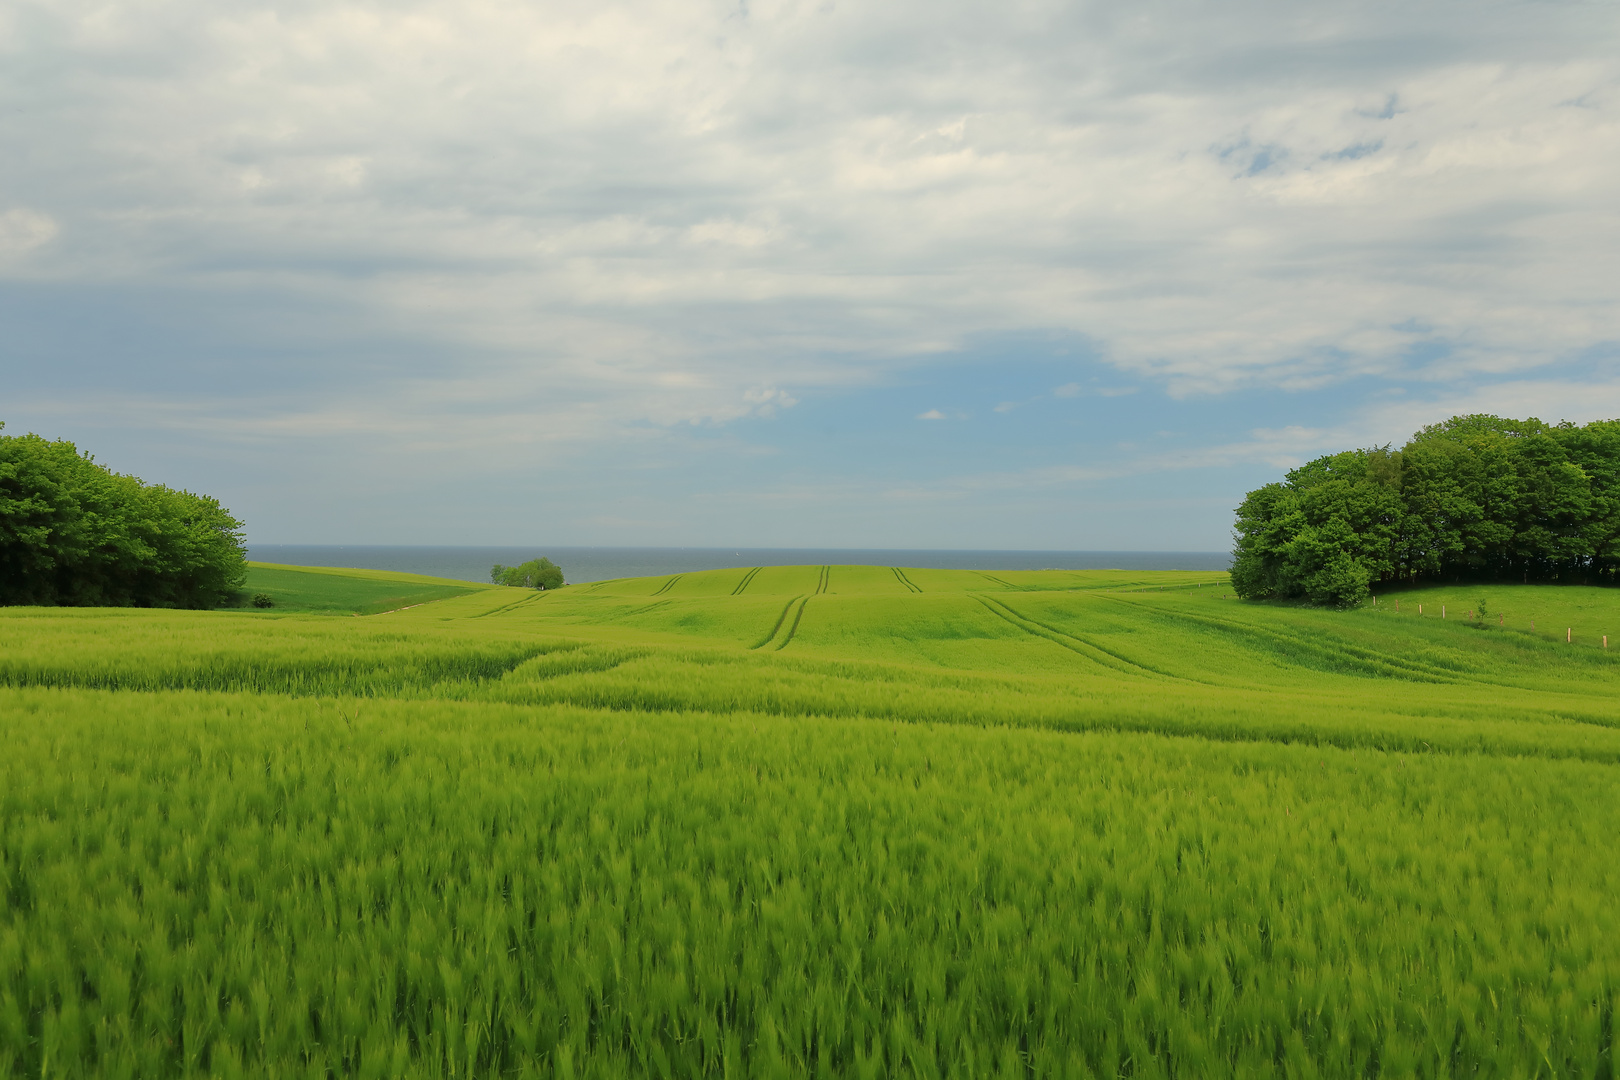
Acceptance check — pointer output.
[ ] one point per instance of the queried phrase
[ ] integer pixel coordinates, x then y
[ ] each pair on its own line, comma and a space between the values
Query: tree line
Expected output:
1475, 498
74, 532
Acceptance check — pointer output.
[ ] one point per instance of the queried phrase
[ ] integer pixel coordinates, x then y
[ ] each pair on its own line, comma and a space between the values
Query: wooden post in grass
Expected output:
1569, 636
1397, 605
1442, 611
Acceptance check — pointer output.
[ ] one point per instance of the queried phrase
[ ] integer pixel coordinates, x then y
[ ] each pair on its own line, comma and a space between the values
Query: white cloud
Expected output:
931, 414
1279, 449
1070, 390
766, 400
21, 231
1552, 400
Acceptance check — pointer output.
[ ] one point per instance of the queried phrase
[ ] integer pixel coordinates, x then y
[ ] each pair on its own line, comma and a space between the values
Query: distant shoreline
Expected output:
585, 564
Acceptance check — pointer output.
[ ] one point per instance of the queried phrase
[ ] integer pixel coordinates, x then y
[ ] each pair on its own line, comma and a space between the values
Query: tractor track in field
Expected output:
747, 580
780, 619
500, 610
1096, 654
1291, 646
824, 580
654, 606
794, 629
900, 576
1122, 658
584, 660
998, 581
668, 585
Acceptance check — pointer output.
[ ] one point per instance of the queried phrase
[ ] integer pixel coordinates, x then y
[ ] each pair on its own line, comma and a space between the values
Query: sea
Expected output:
585, 564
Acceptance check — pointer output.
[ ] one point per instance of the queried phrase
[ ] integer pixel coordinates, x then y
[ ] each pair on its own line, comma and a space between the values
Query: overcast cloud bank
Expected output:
692, 273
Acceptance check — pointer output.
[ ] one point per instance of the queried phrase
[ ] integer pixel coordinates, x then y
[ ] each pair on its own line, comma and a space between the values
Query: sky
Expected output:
1011, 275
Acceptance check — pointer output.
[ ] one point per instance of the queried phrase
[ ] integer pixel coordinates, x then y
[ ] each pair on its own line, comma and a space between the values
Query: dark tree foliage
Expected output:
74, 532
539, 573
1476, 498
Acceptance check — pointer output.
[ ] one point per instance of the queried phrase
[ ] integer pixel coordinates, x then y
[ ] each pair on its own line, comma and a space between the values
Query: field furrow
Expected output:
521, 602
1066, 641
1299, 646
1127, 662
777, 626
793, 627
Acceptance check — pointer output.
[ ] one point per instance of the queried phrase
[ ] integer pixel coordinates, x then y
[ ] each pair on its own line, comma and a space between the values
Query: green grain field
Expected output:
812, 821
306, 589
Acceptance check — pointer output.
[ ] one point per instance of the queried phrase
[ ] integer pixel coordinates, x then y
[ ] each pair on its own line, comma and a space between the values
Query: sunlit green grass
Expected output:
348, 592
836, 821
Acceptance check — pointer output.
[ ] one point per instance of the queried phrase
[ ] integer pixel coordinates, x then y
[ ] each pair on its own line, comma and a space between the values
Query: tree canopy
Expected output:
539, 573
74, 532
1476, 497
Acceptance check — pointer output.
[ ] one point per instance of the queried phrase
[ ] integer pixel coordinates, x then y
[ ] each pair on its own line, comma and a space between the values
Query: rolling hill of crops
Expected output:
829, 821
353, 592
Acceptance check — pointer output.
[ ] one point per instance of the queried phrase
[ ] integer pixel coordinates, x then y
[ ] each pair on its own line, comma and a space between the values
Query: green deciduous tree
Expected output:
539, 573
1323, 535
74, 532
1596, 449
1478, 496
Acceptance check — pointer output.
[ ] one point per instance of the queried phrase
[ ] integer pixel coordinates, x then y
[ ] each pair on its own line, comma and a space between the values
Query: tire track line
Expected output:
794, 629
669, 585
499, 610
900, 576
643, 610
1292, 644
1100, 657
747, 580
780, 619
1121, 657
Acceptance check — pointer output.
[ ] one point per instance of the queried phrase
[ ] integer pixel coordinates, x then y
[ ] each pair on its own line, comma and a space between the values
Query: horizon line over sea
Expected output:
586, 564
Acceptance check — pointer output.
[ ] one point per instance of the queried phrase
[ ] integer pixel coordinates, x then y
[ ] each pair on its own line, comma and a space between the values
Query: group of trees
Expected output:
75, 532
1474, 498
539, 573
